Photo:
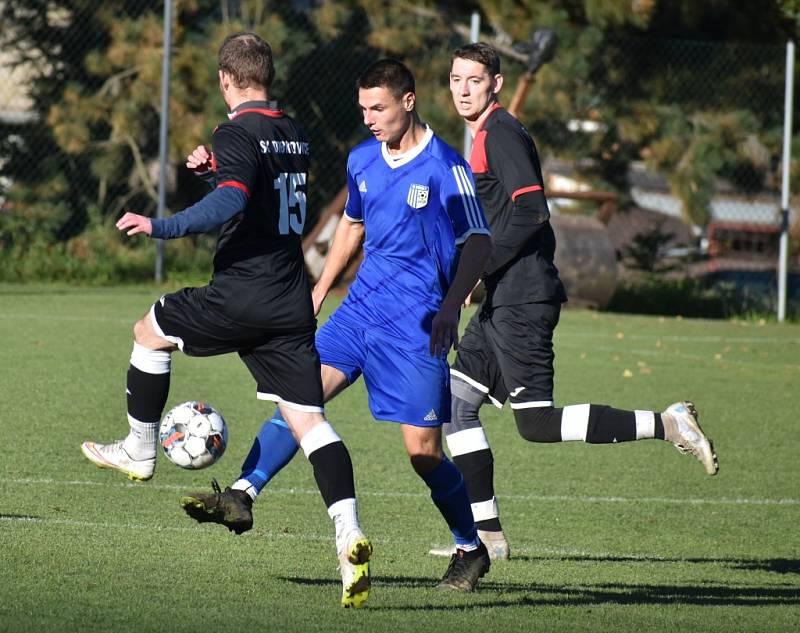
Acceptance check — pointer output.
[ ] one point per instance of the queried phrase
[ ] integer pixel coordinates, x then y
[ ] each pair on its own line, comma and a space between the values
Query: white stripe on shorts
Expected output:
477, 385
467, 441
176, 340
575, 423
308, 408
645, 424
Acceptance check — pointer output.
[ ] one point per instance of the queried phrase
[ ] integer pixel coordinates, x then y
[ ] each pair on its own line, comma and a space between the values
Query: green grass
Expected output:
630, 537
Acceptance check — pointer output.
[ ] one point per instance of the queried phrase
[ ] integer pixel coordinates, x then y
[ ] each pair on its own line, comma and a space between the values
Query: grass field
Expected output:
629, 537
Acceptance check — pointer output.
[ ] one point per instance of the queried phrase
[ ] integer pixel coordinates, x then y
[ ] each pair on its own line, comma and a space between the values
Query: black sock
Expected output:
333, 471
147, 395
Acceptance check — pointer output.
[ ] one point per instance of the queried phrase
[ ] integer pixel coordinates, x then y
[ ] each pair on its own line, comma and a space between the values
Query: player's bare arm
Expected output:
346, 241
444, 329
134, 223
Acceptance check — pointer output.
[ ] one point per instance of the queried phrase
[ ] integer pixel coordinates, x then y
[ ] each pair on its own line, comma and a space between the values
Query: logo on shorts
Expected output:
517, 391
431, 417
417, 196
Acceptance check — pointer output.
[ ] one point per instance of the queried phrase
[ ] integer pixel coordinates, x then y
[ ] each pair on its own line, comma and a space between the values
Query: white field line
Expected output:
319, 537
410, 495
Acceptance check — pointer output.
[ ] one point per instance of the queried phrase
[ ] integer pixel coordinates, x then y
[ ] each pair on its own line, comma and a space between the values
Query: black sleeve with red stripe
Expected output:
235, 158
512, 159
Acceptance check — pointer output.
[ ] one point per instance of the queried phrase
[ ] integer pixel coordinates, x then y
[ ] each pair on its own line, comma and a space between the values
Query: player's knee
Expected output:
463, 415
424, 464
465, 404
141, 329
538, 424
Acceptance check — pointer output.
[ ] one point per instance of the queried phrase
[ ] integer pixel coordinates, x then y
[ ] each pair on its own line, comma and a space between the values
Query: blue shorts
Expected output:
404, 385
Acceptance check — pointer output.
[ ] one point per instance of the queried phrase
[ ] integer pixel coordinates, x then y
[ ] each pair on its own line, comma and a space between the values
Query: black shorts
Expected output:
284, 363
507, 353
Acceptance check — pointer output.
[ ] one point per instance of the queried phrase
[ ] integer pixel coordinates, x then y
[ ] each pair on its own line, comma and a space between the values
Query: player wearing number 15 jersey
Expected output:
258, 302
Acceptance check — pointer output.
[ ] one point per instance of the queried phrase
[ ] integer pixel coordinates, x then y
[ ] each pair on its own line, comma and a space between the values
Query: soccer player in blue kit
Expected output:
258, 302
412, 200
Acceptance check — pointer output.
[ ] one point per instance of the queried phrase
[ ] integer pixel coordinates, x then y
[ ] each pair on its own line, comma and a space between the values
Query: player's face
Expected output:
472, 87
386, 116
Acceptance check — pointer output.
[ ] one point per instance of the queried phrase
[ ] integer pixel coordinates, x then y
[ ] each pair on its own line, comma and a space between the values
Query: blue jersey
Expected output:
417, 208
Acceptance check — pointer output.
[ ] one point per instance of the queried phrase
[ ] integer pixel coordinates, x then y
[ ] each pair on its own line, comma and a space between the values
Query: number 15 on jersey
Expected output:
293, 202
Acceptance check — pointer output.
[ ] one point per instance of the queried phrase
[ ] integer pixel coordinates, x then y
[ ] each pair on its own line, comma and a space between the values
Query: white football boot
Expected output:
682, 429
115, 457
354, 566
495, 542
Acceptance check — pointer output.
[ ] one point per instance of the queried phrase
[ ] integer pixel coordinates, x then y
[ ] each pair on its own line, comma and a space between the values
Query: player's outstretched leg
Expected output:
601, 424
683, 430
147, 388
231, 508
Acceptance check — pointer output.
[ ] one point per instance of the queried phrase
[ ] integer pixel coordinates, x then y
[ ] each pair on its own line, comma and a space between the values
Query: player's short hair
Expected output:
248, 60
482, 53
390, 74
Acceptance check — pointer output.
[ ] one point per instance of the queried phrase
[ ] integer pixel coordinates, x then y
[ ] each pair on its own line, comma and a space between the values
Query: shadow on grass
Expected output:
508, 594
776, 565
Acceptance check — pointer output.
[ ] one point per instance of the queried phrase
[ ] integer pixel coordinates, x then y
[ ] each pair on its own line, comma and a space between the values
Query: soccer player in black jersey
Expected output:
506, 352
258, 302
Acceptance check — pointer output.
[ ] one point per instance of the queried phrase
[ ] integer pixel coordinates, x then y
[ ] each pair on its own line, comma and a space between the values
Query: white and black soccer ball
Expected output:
193, 435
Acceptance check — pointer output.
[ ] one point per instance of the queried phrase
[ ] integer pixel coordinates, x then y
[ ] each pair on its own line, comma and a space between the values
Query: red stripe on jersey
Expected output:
233, 183
477, 158
519, 192
266, 112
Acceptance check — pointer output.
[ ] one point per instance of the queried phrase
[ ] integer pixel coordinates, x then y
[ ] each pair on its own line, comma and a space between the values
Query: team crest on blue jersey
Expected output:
417, 196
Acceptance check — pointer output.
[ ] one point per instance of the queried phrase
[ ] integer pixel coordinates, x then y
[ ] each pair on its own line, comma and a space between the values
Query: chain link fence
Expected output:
673, 146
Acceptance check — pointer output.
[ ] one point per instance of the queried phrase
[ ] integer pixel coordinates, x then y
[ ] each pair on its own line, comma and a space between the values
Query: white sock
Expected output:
245, 486
142, 439
345, 518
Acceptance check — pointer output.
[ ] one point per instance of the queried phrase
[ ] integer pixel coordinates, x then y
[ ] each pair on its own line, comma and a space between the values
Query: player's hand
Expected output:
199, 161
318, 298
134, 223
444, 331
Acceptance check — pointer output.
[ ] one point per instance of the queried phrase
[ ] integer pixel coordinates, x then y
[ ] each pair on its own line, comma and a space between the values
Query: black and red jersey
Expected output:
262, 152
508, 177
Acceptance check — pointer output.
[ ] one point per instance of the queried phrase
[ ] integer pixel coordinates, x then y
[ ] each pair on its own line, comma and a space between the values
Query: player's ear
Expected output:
409, 101
497, 84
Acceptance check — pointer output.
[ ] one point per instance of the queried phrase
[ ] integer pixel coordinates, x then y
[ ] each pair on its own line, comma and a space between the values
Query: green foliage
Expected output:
646, 251
100, 255
699, 112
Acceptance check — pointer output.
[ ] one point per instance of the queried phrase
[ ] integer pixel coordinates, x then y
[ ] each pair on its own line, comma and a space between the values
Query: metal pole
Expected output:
783, 256
474, 36
163, 149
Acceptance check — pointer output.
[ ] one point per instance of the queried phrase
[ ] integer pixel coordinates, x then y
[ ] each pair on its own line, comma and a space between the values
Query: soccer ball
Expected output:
193, 435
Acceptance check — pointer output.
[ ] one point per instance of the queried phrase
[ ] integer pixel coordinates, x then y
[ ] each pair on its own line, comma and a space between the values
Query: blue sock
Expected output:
450, 495
272, 449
